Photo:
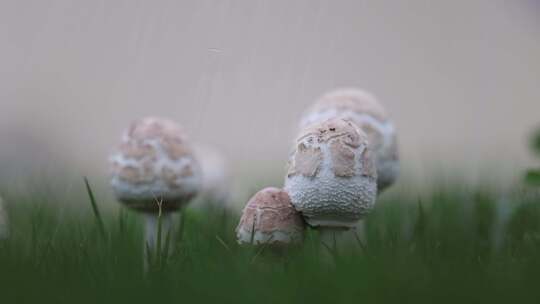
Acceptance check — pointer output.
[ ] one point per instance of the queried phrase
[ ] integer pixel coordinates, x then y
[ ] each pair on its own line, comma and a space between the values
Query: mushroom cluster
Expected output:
345, 153
331, 184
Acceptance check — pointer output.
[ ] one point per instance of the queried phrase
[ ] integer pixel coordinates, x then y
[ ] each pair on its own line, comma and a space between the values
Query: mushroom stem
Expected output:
152, 235
359, 235
337, 241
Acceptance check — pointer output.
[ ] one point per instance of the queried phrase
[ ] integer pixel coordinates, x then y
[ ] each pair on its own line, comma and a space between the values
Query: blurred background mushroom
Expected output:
363, 109
216, 182
154, 171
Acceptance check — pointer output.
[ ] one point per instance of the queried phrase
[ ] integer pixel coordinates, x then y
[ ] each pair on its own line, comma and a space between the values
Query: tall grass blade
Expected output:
149, 256
359, 241
182, 219
160, 223
166, 247
264, 246
95, 209
220, 240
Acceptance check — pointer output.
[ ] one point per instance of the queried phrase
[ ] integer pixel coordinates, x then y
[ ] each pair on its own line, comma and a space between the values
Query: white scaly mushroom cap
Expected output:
269, 218
4, 223
331, 175
154, 161
216, 185
365, 111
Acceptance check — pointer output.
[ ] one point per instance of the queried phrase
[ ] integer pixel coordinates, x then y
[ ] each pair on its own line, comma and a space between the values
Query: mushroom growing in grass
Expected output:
363, 109
154, 169
4, 224
269, 219
331, 176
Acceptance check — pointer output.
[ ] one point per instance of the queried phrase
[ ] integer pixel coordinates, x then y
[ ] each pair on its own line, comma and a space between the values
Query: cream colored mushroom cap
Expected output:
269, 218
331, 176
154, 162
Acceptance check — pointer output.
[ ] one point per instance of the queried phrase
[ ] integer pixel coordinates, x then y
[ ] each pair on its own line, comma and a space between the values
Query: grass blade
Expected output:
222, 242
182, 219
160, 223
149, 256
165, 254
263, 247
359, 241
95, 209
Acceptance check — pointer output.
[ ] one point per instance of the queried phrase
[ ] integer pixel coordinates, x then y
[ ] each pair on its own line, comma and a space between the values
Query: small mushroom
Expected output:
154, 168
331, 177
363, 109
269, 218
4, 223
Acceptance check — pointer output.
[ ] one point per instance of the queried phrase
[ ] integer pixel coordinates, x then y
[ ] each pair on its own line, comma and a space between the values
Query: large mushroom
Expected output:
269, 218
154, 169
363, 109
331, 177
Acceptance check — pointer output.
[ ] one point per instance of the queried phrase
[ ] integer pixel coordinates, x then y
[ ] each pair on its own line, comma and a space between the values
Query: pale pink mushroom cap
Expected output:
269, 218
331, 175
366, 112
154, 162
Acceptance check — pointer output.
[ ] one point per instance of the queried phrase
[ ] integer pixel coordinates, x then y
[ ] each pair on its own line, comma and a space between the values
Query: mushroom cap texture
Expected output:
154, 162
331, 175
4, 223
269, 218
368, 114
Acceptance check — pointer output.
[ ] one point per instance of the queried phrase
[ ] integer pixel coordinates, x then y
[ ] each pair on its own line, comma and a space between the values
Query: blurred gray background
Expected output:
461, 79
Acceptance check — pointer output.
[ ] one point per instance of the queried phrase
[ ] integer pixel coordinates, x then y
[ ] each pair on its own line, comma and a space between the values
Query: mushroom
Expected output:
4, 224
363, 109
269, 218
154, 169
215, 185
331, 176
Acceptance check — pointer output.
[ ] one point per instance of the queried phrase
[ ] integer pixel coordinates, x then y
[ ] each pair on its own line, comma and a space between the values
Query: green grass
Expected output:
442, 249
